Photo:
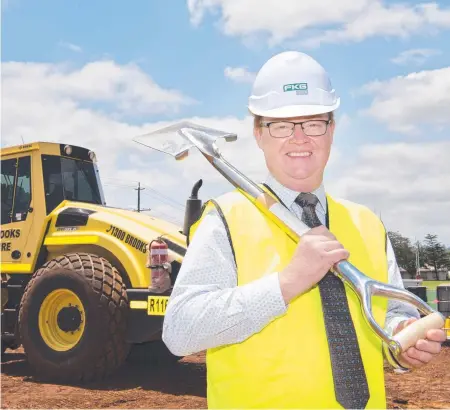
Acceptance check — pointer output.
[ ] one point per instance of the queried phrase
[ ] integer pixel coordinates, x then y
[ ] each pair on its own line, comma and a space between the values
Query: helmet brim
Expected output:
296, 110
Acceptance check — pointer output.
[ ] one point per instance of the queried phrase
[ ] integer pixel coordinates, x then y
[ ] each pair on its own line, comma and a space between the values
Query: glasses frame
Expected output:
268, 123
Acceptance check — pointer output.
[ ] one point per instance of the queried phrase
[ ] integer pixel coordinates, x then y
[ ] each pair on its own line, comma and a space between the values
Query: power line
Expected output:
119, 186
163, 196
144, 185
139, 209
141, 187
168, 201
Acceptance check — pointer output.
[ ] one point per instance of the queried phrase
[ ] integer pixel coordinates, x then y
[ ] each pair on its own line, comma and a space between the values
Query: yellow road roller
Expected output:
76, 274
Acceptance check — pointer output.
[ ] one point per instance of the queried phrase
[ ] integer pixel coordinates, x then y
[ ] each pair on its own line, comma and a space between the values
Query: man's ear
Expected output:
257, 133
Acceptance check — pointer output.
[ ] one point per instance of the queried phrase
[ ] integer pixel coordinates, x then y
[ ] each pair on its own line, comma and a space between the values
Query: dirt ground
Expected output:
141, 383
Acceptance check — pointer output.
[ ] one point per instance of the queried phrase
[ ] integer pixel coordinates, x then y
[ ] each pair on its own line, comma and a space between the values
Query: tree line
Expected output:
430, 252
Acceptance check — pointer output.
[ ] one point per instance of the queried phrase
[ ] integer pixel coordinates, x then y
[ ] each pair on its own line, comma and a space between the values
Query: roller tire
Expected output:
102, 347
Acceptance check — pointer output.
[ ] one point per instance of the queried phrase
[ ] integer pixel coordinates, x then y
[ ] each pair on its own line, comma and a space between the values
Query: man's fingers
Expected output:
428, 346
423, 357
410, 361
338, 255
436, 335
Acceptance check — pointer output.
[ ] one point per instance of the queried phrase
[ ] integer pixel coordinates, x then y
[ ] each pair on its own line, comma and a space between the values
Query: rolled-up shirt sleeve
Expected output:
206, 308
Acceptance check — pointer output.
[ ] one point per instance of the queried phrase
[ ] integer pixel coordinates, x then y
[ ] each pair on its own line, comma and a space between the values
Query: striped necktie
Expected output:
350, 383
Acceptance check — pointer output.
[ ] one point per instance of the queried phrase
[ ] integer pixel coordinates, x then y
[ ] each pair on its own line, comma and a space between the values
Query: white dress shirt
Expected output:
207, 309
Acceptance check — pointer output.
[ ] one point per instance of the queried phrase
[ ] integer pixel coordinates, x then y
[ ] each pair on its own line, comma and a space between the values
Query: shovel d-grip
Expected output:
366, 287
177, 139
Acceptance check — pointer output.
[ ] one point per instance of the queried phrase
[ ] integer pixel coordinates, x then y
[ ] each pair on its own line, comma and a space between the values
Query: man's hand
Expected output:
425, 350
317, 251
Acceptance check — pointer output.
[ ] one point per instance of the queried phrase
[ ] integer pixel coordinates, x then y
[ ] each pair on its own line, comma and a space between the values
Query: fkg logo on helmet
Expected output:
299, 88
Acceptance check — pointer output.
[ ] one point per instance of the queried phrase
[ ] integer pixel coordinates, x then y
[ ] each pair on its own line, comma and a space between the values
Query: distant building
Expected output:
427, 273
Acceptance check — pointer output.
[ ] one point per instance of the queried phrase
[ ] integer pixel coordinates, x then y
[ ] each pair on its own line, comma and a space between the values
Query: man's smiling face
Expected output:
297, 161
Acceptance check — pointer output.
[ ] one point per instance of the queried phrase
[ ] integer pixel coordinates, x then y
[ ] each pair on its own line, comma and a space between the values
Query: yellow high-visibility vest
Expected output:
287, 364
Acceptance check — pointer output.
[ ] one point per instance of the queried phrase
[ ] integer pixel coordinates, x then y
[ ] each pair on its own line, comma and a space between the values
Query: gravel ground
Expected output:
142, 383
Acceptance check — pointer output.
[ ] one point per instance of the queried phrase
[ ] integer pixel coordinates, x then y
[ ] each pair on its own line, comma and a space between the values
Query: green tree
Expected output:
405, 252
435, 254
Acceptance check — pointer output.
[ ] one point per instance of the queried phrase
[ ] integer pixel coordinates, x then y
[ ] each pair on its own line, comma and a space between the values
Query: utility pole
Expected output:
418, 260
139, 189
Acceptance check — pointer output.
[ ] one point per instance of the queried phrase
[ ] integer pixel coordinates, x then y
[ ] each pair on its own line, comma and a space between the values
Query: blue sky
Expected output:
98, 73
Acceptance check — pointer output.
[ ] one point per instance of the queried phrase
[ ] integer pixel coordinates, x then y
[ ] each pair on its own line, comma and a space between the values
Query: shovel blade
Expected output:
177, 139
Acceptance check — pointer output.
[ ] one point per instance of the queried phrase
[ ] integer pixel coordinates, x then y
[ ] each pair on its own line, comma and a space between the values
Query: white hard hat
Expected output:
292, 84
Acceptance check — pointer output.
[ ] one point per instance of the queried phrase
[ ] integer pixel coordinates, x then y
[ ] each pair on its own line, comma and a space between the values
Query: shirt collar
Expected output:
288, 196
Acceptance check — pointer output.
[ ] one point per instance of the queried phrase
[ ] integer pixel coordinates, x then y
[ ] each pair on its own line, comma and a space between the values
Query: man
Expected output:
280, 330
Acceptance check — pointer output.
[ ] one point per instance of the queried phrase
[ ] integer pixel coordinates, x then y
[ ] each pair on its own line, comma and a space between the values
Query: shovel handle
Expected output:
408, 336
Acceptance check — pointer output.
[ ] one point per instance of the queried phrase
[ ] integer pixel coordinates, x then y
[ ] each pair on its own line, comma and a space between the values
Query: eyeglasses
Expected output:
284, 129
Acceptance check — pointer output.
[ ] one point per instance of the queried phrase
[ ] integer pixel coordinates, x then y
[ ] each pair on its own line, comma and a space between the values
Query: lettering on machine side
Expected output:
9, 233
127, 238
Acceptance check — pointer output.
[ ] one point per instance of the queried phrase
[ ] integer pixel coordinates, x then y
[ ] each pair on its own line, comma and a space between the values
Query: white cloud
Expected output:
244, 18
45, 102
239, 74
408, 184
415, 56
406, 102
352, 20
393, 20
126, 87
343, 121
71, 46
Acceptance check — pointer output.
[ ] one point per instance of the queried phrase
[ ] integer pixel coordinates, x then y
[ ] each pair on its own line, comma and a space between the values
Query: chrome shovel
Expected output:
177, 139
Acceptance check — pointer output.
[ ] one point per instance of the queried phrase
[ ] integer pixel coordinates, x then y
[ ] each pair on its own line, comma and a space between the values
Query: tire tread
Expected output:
105, 280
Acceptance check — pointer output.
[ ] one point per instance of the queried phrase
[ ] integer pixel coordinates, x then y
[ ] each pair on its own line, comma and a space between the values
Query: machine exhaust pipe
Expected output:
193, 207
